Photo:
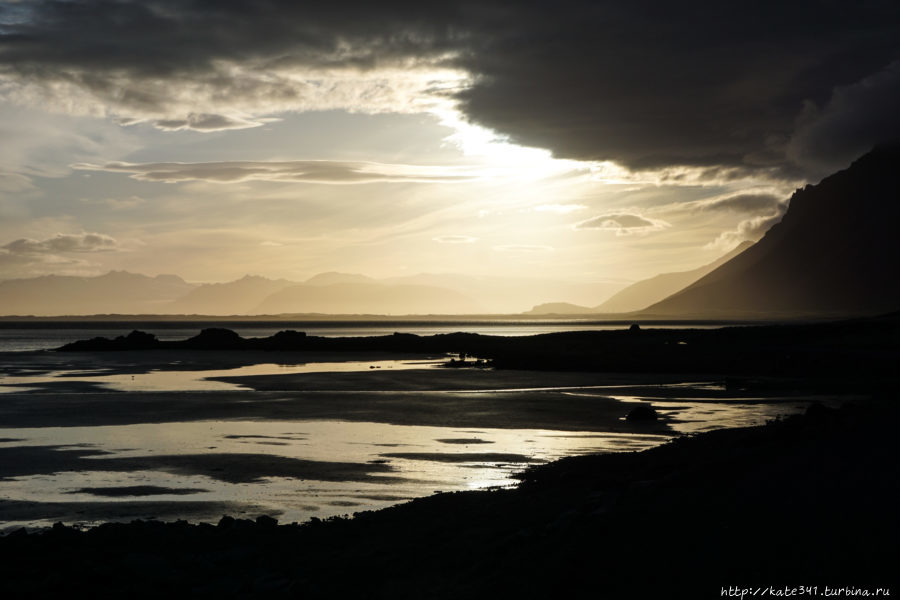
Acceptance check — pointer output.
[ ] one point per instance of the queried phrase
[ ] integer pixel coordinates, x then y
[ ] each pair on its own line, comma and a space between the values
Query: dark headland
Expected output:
834, 350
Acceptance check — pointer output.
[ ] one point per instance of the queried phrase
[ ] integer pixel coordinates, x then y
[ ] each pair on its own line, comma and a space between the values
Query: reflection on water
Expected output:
298, 469
695, 415
196, 461
164, 380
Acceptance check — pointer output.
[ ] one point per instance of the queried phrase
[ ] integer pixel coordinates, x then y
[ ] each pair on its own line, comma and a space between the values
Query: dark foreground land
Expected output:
866, 346
807, 501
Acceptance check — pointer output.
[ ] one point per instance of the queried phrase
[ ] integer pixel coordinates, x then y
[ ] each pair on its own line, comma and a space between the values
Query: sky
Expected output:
586, 141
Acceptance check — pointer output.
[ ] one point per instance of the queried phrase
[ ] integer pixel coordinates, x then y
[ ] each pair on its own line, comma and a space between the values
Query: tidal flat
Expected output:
810, 498
87, 438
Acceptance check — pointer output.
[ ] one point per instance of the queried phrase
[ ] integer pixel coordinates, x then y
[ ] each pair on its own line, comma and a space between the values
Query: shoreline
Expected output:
808, 499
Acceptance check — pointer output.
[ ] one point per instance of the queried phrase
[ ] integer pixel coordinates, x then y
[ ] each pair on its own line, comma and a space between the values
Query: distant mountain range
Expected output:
366, 298
114, 292
836, 251
125, 293
641, 294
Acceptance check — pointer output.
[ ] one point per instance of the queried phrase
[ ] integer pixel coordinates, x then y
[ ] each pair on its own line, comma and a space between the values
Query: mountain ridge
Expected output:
834, 253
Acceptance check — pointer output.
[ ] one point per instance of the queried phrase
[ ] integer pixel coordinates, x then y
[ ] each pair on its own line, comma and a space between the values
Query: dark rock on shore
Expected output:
806, 500
642, 413
861, 348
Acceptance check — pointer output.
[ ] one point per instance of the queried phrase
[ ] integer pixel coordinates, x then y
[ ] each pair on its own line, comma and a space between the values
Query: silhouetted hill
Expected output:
232, 298
332, 277
115, 292
366, 298
856, 349
836, 251
642, 294
560, 308
514, 294
330, 293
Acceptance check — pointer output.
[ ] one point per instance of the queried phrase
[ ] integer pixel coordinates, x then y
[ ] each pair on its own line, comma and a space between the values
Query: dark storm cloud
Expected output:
647, 84
160, 38
854, 117
655, 84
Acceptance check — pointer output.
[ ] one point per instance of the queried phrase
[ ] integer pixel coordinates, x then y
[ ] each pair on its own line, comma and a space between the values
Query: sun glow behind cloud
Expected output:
285, 212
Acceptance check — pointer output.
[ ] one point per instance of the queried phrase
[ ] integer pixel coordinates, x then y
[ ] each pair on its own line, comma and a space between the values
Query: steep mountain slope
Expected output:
835, 252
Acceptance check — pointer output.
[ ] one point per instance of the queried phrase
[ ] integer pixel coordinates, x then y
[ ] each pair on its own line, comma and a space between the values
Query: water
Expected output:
380, 464
150, 437
16, 337
195, 380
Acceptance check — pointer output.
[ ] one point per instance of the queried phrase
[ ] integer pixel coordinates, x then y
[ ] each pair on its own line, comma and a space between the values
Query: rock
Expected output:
266, 521
215, 338
642, 413
226, 522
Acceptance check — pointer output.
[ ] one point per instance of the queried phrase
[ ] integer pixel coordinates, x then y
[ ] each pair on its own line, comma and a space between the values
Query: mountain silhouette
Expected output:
231, 298
639, 294
835, 252
366, 298
560, 308
332, 277
643, 293
118, 292
514, 294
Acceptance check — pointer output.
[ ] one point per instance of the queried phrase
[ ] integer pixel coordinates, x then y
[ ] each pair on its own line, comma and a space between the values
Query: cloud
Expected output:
645, 84
208, 66
526, 248
749, 229
454, 239
13, 264
855, 118
116, 203
15, 183
650, 84
560, 209
623, 223
27, 257
301, 171
62, 243
750, 201
208, 122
